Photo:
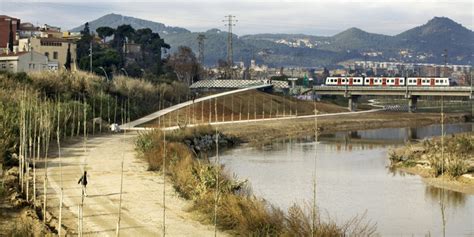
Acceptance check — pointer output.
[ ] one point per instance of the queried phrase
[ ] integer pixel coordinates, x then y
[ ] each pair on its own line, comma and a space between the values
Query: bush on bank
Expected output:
238, 211
452, 156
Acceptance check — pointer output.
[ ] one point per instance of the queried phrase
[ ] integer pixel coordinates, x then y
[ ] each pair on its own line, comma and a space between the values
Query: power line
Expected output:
230, 22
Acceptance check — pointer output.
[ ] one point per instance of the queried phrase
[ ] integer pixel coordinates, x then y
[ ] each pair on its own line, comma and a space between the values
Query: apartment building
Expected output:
55, 49
8, 25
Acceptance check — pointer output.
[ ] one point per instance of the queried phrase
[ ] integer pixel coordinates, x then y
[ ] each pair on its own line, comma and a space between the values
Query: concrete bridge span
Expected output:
410, 93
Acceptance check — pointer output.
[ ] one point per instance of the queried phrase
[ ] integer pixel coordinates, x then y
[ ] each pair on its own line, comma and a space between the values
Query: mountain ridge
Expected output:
113, 20
424, 43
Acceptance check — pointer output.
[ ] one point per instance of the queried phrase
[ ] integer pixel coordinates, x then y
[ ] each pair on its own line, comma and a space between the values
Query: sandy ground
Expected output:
142, 200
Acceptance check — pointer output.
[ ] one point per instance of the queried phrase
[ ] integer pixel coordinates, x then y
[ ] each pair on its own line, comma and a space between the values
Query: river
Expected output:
353, 179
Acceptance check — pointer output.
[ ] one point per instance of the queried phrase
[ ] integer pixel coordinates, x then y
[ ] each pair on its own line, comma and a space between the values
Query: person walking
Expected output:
83, 182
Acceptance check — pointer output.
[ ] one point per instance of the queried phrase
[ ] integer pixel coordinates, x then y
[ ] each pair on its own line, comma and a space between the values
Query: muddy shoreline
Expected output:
259, 133
462, 184
424, 159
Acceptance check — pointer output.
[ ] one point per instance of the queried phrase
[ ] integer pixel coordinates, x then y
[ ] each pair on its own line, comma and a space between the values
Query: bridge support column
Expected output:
412, 134
352, 102
412, 101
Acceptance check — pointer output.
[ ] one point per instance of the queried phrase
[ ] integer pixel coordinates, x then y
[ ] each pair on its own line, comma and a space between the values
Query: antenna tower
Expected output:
201, 38
230, 21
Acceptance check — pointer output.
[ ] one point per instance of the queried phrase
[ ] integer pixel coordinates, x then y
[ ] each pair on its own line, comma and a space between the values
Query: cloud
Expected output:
262, 16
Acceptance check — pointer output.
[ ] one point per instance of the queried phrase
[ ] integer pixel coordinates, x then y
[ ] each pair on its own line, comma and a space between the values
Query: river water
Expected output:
353, 179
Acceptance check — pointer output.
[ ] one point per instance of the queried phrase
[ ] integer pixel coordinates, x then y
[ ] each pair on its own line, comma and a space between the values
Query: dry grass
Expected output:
113, 101
243, 106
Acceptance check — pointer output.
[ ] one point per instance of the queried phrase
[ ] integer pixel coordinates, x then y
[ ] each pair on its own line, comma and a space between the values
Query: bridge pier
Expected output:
412, 134
412, 101
352, 102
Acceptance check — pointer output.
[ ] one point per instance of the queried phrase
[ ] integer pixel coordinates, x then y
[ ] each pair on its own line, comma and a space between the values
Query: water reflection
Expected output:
352, 177
451, 198
397, 135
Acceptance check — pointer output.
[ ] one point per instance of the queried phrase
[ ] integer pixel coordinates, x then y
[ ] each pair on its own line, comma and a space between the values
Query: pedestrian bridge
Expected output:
131, 125
236, 84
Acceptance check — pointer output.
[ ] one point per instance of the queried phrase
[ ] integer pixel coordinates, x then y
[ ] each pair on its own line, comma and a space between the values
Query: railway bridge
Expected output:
410, 93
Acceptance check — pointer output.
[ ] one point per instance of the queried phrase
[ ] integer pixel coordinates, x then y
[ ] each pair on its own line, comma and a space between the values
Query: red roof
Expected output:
8, 17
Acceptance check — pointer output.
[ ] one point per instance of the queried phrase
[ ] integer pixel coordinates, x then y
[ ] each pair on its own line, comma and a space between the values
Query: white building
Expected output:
23, 62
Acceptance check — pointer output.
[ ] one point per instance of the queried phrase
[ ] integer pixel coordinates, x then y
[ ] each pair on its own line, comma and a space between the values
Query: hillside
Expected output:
438, 34
423, 44
114, 20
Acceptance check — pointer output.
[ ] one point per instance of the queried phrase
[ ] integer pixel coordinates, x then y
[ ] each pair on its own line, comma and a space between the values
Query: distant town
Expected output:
25, 47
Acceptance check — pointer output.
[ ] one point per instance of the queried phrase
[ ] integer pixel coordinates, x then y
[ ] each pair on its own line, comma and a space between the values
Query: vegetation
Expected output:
238, 210
120, 52
79, 94
454, 157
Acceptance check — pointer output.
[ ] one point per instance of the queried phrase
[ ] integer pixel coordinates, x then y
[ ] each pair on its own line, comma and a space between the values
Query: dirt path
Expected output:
142, 204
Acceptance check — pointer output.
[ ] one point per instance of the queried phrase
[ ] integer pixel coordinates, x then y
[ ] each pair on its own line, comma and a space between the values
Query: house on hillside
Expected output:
23, 62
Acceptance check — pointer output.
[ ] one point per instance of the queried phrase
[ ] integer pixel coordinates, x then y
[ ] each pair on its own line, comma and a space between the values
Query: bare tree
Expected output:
185, 65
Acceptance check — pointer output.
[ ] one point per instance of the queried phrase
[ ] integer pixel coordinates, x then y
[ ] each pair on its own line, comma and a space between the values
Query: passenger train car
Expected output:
387, 81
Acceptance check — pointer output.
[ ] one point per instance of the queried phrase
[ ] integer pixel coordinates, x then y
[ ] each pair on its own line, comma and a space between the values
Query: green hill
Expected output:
424, 43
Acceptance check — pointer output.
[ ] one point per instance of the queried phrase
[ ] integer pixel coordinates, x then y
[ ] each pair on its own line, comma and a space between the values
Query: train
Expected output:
389, 81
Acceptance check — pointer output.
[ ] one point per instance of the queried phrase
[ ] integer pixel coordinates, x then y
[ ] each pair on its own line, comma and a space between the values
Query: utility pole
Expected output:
201, 38
445, 62
90, 57
230, 21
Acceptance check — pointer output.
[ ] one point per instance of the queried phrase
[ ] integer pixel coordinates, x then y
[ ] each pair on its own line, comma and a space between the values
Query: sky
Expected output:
317, 17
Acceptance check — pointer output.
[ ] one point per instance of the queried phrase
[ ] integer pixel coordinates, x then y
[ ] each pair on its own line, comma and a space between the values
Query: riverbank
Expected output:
220, 198
257, 133
449, 167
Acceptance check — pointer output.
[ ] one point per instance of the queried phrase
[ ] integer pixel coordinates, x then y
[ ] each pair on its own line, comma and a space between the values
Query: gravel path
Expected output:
142, 201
